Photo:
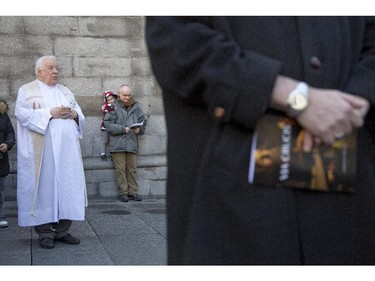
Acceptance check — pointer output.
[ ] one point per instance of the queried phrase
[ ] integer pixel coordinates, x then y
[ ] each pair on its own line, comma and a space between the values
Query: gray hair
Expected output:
39, 64
125, 85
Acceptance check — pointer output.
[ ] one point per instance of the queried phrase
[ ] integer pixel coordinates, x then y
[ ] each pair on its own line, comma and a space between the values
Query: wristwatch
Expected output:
298, 100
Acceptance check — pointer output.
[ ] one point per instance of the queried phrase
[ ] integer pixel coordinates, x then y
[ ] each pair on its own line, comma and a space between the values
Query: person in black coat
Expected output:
7, 140
219, 75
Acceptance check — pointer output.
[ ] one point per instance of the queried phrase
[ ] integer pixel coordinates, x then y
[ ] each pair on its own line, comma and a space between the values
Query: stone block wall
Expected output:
95, 54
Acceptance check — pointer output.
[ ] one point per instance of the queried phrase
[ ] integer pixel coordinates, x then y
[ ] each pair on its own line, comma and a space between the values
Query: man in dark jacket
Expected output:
124, 124
219, 75
7, 140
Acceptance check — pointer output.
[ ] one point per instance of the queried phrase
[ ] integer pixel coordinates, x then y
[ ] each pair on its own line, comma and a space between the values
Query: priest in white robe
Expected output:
51, 188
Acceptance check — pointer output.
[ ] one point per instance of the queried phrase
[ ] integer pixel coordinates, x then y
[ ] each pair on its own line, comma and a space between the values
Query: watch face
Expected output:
299, 102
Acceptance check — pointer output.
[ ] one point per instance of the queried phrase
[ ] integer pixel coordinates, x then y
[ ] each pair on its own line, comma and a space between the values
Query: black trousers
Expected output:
53, 230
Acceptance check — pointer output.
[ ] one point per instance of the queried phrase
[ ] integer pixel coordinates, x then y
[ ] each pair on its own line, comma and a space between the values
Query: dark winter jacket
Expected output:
115, 123
6, 136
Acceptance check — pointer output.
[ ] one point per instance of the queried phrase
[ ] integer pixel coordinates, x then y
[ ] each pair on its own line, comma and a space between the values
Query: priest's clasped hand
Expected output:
63, 112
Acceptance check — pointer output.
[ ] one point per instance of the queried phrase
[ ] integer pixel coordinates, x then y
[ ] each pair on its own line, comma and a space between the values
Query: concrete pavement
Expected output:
113, 233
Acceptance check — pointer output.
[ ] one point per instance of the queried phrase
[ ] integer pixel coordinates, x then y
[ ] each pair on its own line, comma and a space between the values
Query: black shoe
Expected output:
124, 198
68, 239
103, 157
46, 243
135, 197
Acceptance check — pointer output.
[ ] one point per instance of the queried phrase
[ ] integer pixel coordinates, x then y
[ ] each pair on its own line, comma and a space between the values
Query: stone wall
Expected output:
95, 54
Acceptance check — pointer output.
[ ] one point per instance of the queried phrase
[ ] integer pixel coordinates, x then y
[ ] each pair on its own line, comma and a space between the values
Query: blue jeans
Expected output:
2, 187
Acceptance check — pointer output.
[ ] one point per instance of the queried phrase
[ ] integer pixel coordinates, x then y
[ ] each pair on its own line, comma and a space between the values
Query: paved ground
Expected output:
114, 233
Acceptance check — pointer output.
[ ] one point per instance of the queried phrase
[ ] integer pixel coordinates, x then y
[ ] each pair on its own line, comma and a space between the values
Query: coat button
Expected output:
219, 113
315, 62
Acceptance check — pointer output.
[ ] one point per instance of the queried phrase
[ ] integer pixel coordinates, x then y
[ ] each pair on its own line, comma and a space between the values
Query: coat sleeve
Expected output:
362, 78
80, 125
142, 118
10, 138
197, 59
110, 124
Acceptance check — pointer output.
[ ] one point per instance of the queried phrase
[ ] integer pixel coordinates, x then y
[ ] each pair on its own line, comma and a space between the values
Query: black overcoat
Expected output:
226, 67
7, 136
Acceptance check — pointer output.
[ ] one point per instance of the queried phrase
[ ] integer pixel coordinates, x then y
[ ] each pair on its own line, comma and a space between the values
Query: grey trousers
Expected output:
104, 141
53, 230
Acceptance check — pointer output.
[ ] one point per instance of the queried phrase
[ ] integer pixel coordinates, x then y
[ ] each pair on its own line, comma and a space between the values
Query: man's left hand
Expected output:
3, 147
